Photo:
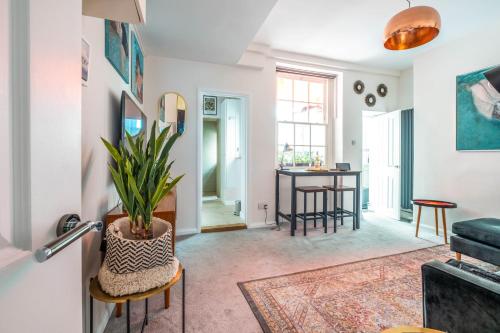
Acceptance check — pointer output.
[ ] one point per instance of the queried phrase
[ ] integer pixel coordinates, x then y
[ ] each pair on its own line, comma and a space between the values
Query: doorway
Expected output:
223, 152
388, 163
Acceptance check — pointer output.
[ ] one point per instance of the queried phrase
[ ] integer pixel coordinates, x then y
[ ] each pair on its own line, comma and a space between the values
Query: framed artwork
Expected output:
85, 62
116, 46
478, 110
210, 105
137, 69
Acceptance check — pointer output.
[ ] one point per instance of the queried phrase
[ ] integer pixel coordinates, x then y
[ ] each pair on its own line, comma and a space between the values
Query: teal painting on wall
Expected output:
137, 69
478, 110
116, 41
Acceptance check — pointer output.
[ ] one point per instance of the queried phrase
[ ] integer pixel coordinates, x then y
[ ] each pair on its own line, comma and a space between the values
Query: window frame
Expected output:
329, 84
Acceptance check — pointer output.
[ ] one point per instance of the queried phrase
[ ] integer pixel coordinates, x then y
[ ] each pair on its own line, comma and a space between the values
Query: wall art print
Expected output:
478, 110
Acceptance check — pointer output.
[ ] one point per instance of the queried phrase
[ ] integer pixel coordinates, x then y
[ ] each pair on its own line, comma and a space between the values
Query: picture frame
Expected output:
117, 50
209, 105
85, 62
137, 69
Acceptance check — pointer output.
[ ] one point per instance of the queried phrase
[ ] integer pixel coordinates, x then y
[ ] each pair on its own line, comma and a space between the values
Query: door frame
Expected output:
245, 99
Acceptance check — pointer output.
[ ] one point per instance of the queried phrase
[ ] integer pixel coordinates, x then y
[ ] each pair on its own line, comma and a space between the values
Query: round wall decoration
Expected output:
382, 90
359, 87
370, 100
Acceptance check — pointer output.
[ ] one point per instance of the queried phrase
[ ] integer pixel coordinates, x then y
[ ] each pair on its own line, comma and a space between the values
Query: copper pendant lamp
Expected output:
412, 27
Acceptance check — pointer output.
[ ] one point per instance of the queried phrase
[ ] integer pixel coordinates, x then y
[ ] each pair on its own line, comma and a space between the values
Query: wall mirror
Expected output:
172, 108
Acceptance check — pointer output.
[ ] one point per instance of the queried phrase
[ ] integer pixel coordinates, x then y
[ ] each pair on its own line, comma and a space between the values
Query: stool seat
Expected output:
339, 188
434, 203
484, 230
310, 189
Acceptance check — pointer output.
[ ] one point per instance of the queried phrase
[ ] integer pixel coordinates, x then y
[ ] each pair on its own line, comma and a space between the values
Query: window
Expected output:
302, 118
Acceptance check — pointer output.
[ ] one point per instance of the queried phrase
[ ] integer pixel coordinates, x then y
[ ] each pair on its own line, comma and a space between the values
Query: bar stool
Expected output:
342, 189
313, 216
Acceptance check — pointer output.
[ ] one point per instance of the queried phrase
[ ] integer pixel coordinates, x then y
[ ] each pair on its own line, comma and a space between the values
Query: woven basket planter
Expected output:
136, 265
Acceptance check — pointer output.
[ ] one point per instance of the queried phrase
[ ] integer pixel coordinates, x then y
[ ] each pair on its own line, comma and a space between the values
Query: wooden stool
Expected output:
436, 204
96, 292
313, 216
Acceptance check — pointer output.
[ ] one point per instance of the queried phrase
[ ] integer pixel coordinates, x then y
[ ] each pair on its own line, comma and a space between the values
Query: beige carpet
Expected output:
365, 296
216, 262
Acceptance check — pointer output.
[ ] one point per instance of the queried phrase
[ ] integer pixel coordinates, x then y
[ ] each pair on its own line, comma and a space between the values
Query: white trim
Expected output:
186, 231
246, 103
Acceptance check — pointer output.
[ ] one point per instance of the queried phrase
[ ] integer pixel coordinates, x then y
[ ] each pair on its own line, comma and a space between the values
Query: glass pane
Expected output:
320, 152
318, 135
300, 113
302, 135
284, 88
316, 92
302, 156
284, 111
285, 134
300, 90
317, 114
287, 156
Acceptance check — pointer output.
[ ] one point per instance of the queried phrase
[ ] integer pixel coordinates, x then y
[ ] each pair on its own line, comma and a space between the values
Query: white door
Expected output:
231, 150
43, 297
385, 176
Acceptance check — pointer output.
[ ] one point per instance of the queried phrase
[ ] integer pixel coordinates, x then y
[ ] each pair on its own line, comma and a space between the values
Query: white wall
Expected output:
47, 297
100, 118
469, 178
187, 78
406, 89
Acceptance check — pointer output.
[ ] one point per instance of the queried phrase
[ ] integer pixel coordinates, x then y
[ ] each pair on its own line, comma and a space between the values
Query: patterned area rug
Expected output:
364, 296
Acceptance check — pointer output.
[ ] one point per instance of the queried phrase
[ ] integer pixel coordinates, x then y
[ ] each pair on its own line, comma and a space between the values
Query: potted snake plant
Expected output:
139, 254
141, 176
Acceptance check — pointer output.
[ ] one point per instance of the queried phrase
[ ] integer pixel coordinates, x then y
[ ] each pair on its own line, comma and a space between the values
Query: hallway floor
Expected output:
215, 262
214, 212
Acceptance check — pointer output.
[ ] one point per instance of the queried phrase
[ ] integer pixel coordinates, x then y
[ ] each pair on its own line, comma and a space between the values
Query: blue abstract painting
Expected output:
478, 110
137, 69
116, 46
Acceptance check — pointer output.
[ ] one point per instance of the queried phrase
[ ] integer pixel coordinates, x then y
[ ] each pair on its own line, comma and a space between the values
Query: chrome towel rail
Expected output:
69, 230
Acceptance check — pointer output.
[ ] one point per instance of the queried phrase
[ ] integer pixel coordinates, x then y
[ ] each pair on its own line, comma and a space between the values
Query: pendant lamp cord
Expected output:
409, 3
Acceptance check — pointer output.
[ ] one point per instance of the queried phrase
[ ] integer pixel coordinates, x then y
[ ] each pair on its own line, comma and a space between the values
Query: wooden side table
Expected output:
97, 293
436, 204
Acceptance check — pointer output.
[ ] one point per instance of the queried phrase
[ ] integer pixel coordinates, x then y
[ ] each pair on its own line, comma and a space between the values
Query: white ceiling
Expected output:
215, 31
352, 30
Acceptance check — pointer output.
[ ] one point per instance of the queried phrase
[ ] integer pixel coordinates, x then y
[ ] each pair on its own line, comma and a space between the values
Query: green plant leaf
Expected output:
112, 150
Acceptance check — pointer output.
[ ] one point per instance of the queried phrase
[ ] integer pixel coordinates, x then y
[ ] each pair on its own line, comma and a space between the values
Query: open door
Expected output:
385, 175
46, 126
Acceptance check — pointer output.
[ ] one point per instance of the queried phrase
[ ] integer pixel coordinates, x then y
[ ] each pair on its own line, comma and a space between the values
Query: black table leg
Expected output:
147, 319
325, 211
91, 314
183, 300
335, 204
277, 198
358, 200
305, 213
128, 316
294, 208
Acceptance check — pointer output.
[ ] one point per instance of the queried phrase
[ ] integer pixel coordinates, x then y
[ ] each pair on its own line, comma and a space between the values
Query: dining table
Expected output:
298, 173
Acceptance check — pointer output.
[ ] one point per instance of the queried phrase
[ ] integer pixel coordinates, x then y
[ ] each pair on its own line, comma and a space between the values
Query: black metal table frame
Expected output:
146, 319
294, 173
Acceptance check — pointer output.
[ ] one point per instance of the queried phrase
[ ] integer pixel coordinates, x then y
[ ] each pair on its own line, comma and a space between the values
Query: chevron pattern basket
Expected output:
133, 265
126, 255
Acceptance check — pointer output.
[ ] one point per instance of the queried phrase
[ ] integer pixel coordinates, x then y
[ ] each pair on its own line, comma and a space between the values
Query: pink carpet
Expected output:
364, 296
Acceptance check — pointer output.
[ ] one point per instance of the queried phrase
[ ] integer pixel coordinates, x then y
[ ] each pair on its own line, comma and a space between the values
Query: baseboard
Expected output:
223, 228
188, 231
256, 225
